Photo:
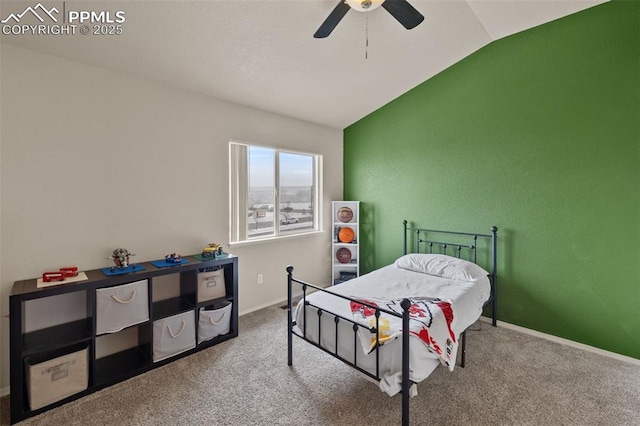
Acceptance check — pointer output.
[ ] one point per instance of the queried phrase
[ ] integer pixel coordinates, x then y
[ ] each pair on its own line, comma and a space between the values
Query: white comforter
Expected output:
391, 282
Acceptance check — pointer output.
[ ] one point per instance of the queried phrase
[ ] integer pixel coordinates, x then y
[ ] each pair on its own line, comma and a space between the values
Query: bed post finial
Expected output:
289, 269
405, 304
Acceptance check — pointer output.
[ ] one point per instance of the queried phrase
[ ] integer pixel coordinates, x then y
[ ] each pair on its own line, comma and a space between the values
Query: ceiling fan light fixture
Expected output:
364, 5
404, 13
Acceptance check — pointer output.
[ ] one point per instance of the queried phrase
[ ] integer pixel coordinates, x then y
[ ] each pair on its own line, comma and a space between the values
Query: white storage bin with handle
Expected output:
214, 322
211, 285
174, 335
55, 379
121, 306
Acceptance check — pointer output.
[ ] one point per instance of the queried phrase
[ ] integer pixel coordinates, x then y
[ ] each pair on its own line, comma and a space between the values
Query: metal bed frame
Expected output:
418, 238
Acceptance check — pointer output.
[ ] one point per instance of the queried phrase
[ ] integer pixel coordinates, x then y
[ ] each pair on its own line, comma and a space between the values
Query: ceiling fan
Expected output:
406, 14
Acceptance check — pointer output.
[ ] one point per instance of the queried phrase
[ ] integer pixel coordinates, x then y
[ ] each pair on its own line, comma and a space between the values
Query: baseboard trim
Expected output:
276, 302
565, 342
4, 392
262, 306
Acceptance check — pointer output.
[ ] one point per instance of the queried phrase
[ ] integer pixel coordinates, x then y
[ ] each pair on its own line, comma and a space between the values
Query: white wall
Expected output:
92, 160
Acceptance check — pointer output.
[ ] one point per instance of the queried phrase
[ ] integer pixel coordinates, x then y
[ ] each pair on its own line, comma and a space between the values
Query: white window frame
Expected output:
239, 193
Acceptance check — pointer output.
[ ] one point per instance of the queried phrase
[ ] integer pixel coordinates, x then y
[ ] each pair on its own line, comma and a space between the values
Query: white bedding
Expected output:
391, 282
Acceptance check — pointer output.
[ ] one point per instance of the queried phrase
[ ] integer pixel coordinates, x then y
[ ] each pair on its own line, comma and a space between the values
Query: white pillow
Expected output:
442, 265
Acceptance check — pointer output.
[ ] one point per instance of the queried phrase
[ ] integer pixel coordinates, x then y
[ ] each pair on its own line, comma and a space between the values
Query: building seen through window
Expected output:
281, 190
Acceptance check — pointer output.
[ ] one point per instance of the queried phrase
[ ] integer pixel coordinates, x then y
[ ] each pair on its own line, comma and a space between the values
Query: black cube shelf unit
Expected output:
106, 363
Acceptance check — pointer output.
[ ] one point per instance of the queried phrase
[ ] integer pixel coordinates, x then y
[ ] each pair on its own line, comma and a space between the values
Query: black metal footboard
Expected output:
355, 326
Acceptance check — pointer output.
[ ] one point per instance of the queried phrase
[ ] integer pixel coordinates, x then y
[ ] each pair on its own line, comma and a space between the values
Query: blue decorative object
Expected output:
163, 263
119, 271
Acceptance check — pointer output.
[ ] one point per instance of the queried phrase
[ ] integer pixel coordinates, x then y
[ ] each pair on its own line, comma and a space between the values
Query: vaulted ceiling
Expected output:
262, 53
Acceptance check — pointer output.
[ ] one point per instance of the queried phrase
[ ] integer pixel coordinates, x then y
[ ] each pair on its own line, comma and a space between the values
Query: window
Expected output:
273, 192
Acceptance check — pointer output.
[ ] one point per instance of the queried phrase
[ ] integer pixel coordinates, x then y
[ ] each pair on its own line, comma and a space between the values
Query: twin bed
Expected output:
398, 323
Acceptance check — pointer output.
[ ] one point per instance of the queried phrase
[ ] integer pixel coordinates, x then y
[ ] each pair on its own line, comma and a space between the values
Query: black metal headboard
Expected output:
431, 240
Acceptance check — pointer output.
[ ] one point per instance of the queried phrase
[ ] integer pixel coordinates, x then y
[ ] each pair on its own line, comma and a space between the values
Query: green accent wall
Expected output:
539, 134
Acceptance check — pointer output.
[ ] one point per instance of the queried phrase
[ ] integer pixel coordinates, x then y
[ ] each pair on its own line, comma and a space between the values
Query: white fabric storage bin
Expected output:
174, 335
211, 285
214, 322
121, 306
57, 378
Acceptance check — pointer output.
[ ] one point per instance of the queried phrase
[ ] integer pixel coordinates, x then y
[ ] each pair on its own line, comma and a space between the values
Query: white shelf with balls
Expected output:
345, 241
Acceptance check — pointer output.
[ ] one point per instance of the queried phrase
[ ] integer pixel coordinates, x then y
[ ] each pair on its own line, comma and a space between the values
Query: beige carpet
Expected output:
510, 379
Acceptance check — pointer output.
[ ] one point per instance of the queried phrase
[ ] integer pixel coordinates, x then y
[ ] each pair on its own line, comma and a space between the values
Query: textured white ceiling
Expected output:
262, 53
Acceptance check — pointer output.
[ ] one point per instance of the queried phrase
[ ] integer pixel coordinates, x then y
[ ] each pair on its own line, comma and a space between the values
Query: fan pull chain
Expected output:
366, 36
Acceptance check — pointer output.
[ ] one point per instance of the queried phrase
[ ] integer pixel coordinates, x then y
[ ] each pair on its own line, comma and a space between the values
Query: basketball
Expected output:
346, 235
344, 214
343, 255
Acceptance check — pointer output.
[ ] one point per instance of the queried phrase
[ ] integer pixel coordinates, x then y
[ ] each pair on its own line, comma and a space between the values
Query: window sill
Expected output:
271, 239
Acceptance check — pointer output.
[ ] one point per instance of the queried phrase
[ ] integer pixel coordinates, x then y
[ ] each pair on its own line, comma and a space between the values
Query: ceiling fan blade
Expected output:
332, 20
406, 14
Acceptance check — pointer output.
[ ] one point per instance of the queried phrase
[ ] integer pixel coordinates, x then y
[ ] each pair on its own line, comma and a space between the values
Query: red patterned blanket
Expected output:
430, 321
